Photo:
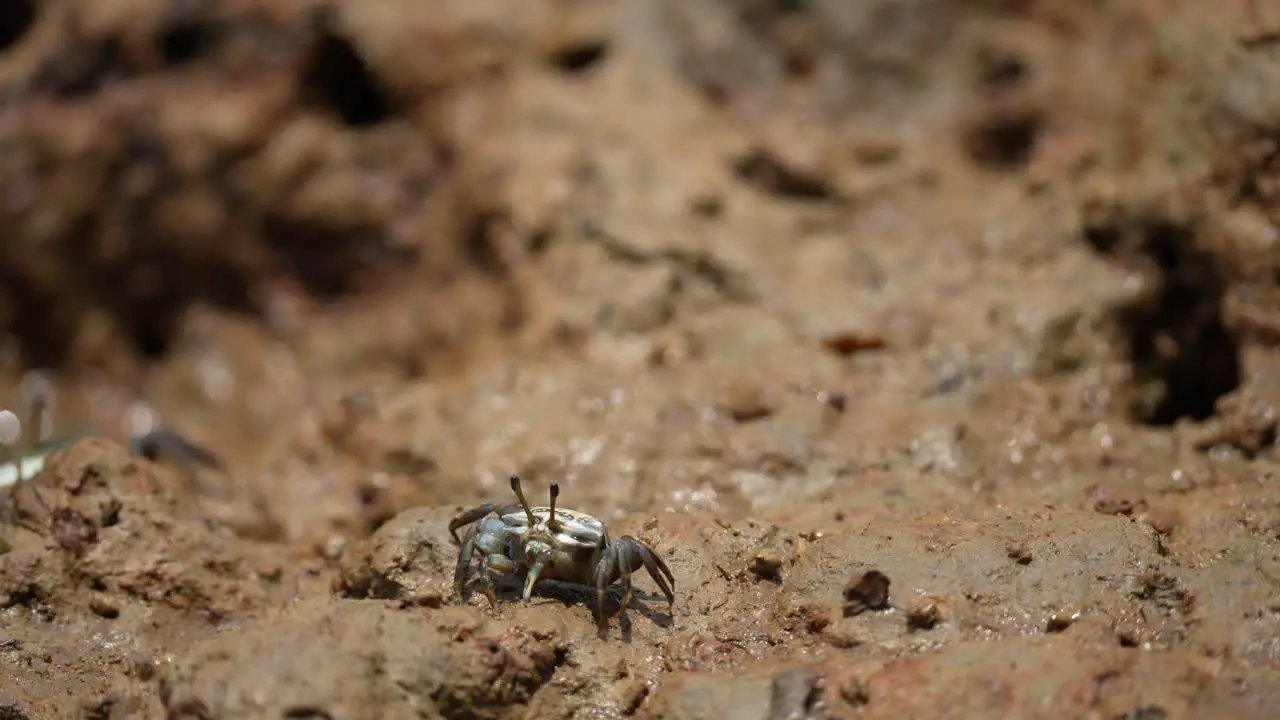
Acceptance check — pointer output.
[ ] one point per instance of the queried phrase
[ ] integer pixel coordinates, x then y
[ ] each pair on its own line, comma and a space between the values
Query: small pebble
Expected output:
269, 571
104, 608
1019, 552
1163, 520
744, 400
1060, 621
869, 591
333, 546
923, 614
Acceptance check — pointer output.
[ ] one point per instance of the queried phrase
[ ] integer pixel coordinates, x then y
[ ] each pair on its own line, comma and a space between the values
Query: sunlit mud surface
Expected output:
931, 344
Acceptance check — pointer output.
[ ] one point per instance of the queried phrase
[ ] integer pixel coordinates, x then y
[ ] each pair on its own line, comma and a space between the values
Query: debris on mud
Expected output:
846, 344
923, 614
1019, 552
408, 559
868, 591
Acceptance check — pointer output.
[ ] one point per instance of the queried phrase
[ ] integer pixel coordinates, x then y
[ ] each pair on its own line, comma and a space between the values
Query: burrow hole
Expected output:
16, 18
341, 82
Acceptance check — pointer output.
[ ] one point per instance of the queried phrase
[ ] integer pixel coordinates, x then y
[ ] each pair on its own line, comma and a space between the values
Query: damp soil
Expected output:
932, 345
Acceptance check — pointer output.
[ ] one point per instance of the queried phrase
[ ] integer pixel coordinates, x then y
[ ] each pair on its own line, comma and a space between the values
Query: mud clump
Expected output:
353, 659
93, 520
409, 559
104, 543
868, 591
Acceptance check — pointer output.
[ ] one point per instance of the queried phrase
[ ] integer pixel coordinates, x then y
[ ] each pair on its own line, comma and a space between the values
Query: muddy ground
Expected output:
932, 343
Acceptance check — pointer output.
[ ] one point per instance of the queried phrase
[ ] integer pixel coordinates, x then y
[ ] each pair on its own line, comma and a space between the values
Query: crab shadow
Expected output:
569, 595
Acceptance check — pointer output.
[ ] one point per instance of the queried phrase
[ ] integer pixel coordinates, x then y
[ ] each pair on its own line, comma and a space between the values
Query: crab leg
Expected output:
460, 572
657, 569
618, 564
606, 571
532, 577
626, 596
500, 564
623, 558
469, 517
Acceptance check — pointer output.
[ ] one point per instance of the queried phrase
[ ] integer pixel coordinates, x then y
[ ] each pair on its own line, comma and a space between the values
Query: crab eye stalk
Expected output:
515, 487
10, 431
555, 493
37, 392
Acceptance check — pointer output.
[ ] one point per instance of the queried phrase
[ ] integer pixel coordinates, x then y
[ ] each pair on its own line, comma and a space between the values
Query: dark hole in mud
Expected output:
1003, 140
484, 240
760, 168
151, 331
1183, 356
45, 338
580, 57
1000, 69
1178, 345
186, 39
307, 713
163, 285
16, 18
81, 70
1103, 238
1149, 712
12, 712
332, 262
340, 82
194, 709
28, 596
800, 65
152, 339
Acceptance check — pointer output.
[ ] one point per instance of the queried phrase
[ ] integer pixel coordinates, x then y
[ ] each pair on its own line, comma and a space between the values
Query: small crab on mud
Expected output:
19, 462
549, 543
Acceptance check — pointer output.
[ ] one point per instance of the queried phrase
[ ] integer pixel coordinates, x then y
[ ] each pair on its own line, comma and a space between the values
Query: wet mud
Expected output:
932, 346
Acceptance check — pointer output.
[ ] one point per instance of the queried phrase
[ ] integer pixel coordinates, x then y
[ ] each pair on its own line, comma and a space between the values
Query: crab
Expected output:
550, 543
19, 462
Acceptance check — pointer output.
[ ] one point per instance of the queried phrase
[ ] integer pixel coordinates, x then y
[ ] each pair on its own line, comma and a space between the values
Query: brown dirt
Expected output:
976, 303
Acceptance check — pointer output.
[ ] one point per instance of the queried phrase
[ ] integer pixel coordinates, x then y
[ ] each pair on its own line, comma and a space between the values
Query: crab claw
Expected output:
166, 443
